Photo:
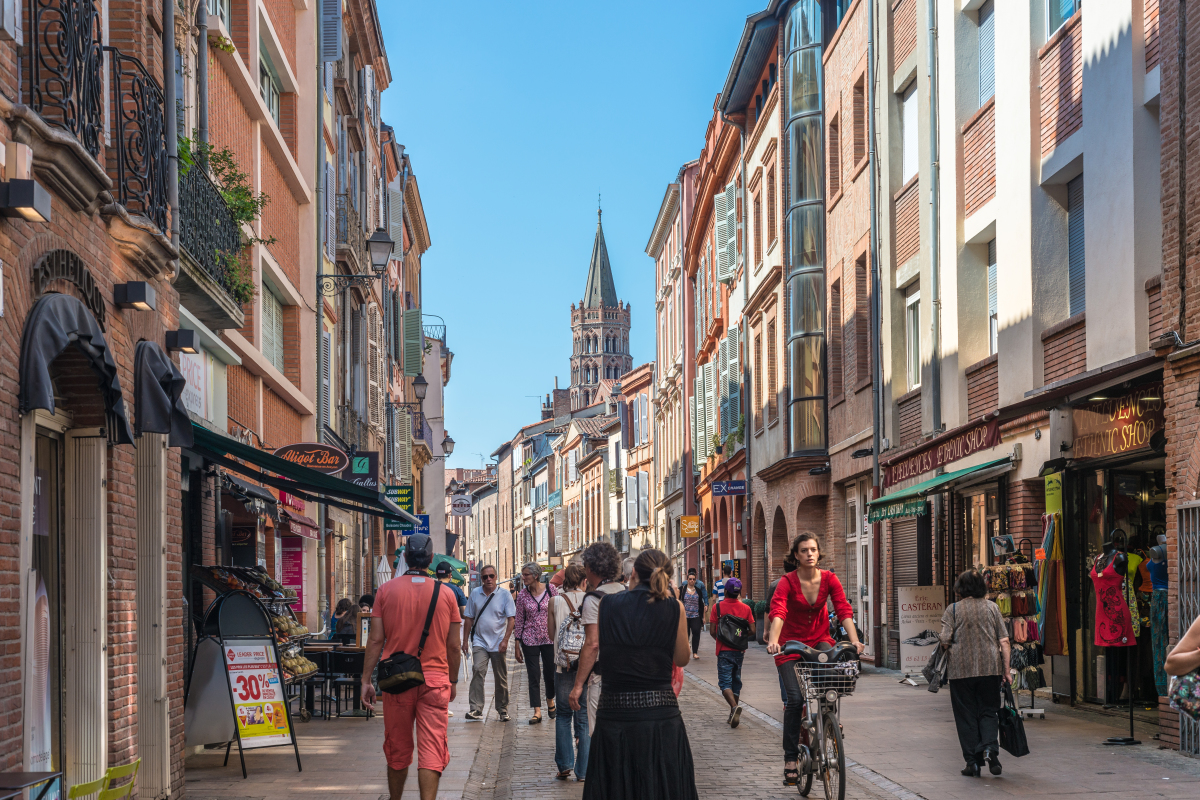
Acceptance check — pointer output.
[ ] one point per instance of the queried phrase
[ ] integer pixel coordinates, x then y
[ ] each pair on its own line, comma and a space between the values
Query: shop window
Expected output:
983, 523
44, 665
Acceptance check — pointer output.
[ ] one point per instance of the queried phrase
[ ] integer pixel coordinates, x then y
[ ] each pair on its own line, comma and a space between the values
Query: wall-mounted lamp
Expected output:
183, 341
420, 387
25, 199
135, 294
448, 445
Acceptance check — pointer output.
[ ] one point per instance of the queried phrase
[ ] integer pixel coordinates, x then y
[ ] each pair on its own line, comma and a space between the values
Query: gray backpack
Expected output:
568, 644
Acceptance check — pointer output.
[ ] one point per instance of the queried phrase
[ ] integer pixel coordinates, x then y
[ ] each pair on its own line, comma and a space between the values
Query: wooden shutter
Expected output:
710, 388
723, 385
835, 155
835, 338
862, 324
643, 498
396, 222
692, 427
859, 112
414, 342
326, 373
631, 501
331, 30
404, 445
721, 219
327, 74
331, 211
623, 421
734, 376
731, 233
987, 52
993, 299
772, 374
1075, 248
645, 418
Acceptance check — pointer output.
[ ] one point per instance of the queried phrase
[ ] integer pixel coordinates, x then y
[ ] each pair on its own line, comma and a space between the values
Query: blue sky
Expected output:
516, 115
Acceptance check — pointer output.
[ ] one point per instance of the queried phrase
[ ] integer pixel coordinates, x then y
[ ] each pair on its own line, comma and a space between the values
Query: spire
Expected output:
600, 289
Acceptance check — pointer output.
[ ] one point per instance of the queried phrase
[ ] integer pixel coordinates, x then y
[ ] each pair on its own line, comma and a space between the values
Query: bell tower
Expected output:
599, 329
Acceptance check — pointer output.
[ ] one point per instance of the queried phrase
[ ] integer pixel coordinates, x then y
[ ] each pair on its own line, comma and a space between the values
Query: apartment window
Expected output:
912, 334
771, 206
757, 223
993, 315
1058, 12
835, 339
772, 375
858, 99
1075, 250
268, 84
862, 317
272, 328
758, 405
221, 8
908, 133
987, 52
835, 155
806, 357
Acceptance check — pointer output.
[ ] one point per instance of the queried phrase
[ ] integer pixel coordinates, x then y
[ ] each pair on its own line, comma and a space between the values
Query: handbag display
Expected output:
734, 631
1184, 694
1012, 728
400, 672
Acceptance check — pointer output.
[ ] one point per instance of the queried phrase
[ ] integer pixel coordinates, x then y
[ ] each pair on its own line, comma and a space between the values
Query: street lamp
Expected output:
448, 445
380, 247
420, 387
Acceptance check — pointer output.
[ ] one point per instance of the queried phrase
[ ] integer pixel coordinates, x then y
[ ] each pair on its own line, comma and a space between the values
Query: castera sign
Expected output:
983, 436
1119, 424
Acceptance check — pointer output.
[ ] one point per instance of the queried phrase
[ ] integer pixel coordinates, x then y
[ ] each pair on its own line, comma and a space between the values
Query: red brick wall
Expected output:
1061, 60
979, 158
283, 20
281, 423
904, 30
291, 345
1154, 306
909, 409
1064, 349
908, 221
281, 219
228, 123
1026, 504
1150, 27
242, 390
983, 389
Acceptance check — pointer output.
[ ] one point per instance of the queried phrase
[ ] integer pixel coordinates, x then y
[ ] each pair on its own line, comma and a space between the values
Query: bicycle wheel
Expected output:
805, 784
833, 759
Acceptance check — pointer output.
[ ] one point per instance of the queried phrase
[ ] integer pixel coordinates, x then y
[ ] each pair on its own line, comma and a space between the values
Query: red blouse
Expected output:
804, 622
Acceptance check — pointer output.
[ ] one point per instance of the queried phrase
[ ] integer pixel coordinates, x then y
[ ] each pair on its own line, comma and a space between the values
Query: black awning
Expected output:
54, 323
158, 396
302, 482
256, 499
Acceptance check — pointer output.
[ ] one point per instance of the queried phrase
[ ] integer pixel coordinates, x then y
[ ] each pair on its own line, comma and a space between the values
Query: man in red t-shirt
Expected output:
729, 660
398, 618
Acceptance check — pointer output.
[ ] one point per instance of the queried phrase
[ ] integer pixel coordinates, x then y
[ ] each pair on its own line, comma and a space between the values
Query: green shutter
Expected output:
414, 342
732, 341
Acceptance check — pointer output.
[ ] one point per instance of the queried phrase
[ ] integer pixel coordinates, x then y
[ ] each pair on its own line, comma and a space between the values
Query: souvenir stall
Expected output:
1012, 585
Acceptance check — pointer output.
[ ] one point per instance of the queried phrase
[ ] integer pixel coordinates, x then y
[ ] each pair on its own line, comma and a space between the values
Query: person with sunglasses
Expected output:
488, 626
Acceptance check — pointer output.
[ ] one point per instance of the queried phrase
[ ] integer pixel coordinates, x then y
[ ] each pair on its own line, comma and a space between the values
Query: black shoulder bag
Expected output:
732, 630
400, 672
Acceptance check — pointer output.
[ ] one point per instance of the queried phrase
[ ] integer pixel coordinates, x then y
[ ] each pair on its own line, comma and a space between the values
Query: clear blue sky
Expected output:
516, 115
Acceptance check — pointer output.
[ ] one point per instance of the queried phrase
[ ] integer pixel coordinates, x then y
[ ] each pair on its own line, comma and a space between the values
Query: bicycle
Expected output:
825, 676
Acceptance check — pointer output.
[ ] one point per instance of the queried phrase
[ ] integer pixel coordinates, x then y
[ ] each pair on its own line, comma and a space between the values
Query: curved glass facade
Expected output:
805, 125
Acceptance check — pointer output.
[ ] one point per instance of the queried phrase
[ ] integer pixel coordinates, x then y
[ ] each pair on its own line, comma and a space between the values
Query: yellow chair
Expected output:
119, 773
87, 789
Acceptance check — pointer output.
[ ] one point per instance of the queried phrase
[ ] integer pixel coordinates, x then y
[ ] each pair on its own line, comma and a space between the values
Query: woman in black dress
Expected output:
640, 748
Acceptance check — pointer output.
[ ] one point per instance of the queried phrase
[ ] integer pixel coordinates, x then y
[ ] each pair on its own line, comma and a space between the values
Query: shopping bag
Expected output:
1012, 728
935, 669
676, 680
1184, 694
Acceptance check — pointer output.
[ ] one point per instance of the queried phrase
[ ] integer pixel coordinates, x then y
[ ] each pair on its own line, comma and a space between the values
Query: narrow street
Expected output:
900, 739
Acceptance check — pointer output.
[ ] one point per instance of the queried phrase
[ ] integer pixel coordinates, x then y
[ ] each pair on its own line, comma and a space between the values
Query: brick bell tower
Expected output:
599, 329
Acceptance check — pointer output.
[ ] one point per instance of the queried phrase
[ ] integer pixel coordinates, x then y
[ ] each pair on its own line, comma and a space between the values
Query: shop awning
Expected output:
305, 483
158, 392
910, 502
299, 525
257, 499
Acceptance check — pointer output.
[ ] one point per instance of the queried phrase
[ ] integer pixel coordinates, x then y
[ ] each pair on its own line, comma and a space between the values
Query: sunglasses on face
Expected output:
489, 577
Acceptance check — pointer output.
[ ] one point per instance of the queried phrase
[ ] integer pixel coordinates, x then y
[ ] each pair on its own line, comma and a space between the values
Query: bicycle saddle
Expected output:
843, 651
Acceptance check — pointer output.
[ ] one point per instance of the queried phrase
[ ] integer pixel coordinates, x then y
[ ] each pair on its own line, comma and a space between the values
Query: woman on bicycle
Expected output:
798, 613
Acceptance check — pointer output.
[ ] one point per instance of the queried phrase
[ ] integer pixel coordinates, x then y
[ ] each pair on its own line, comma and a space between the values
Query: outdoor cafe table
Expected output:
16, 781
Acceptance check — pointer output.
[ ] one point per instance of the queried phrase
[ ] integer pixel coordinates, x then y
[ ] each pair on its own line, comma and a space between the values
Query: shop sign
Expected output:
258, 698
364, 470
423, 525
321, 457
689, 527
734, 565
981, 437
915, 507
460, 505
1119, 424
67, 266
403, 497
728, 488
1054, 493
299, 525
194, 367
920, 616
294, 503
293, 572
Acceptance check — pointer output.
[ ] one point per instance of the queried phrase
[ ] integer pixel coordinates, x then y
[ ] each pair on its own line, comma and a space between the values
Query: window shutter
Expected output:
1075, 247
631, 501
645, 418
331, 211
991, 275
623, 419
735, 378
643, 498
723, 383
721, 218
277, 354
328, 76
404, 445
326, 372
268, 325
987, 52
373, 377
692, 427
710, 388
331, 30
731, 233
396, 221
414, 342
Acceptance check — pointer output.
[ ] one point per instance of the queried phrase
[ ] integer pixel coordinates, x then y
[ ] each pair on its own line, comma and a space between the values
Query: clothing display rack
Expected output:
1012, 585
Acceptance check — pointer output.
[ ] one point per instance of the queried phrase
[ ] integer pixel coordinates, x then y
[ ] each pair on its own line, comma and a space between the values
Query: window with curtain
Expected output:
912, 334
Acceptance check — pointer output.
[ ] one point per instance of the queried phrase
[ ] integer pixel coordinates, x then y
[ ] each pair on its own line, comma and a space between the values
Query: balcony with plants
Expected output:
94, 119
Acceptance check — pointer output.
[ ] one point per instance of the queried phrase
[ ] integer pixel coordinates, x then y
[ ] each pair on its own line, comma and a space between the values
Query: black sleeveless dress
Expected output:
639, 748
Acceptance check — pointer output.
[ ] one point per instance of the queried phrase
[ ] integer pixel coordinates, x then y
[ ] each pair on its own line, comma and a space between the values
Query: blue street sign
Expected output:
424, 526
725, 488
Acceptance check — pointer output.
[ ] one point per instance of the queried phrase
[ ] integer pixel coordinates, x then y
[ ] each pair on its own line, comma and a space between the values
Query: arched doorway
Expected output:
758, 552
810, 518
723, 526
779, 545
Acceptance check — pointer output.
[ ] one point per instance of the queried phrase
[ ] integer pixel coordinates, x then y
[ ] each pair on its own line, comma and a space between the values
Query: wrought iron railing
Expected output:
349, 228
140, 146
207, 230
436, 332
421, 430
65, 68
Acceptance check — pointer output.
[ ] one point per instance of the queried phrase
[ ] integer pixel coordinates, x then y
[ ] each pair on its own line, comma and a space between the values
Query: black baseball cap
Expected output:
420, 551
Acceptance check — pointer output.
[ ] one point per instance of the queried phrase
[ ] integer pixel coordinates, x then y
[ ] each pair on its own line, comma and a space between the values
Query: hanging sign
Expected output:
1119, 424
423, 527
1054, 489
727, 488
460, 505
980, 437
364, 470
915, 507
258, 697
920, 615
689, 527
402, 496
321, 457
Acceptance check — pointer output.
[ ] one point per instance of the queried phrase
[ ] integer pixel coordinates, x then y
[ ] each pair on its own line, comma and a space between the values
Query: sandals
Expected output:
552, 711
791, 776
562, 776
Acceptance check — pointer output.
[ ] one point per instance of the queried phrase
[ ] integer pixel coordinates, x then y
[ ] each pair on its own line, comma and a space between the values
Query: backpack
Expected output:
569, 642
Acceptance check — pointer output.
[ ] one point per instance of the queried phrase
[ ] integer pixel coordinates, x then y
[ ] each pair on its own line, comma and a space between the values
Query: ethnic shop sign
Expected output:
1119, 424
984, 436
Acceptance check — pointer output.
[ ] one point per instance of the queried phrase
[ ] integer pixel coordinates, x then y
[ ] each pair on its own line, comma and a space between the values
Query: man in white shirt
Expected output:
602, 565
487, 626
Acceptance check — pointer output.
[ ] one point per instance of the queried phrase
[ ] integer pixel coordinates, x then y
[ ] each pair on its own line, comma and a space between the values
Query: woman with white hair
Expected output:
536, 650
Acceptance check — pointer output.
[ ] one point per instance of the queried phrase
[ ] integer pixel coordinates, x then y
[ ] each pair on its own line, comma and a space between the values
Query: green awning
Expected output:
910, 502
303, 482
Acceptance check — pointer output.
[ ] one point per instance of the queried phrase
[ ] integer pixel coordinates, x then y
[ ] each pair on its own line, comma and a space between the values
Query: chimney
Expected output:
555, 381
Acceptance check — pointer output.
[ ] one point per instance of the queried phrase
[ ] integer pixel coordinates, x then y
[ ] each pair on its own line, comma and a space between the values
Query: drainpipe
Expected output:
170, 100
202, 72
876, 347
322, 233
935, 359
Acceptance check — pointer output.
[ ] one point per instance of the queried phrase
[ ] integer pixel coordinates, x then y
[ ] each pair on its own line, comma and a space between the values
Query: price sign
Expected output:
258, 696
1040, 554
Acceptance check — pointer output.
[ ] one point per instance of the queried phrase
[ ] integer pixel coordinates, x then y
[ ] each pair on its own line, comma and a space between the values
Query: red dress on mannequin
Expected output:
1114, 628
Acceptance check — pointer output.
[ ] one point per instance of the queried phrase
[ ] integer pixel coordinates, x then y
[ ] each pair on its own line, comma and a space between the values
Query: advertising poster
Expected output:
689, 527
194, 368
258, 697
292, 567
403, 497
920, 611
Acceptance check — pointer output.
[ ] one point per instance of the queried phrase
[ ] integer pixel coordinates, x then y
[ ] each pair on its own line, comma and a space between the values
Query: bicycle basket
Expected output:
841, 676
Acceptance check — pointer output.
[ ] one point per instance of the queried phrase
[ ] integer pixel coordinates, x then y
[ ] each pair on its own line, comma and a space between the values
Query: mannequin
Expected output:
1114, 624
1156, 565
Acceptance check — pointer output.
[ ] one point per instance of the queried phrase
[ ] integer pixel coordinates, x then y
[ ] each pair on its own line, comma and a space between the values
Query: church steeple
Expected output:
600, 289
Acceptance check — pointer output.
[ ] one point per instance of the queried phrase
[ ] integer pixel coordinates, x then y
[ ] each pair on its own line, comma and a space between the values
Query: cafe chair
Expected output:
87, 789
117, 774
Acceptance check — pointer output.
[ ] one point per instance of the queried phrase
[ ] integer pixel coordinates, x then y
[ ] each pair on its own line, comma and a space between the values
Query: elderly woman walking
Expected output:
536, 650
974, 631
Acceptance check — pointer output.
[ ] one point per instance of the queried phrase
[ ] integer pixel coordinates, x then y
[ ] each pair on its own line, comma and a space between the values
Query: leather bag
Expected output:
1012, 727
400, 672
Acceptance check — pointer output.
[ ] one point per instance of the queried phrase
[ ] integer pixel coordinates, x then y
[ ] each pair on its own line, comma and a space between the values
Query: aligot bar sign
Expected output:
321, 457
983, 436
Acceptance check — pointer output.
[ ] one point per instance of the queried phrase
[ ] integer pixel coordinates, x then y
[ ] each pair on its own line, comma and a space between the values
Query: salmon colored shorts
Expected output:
424, 707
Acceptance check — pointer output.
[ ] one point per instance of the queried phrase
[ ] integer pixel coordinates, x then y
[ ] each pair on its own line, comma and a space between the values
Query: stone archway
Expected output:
758, 553
779, 545
723, 527
810, 518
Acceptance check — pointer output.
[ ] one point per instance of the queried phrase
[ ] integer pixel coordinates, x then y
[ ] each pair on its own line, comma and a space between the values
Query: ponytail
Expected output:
653, 569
